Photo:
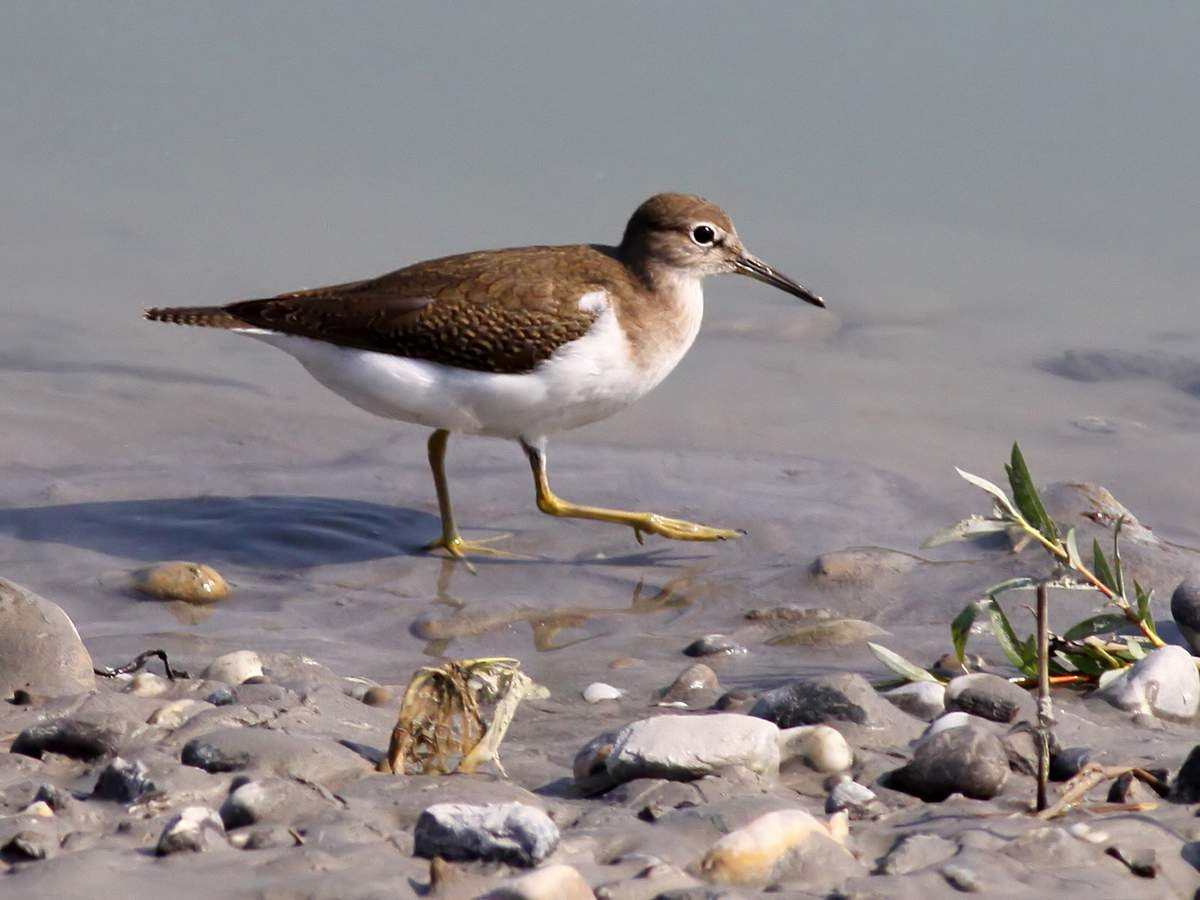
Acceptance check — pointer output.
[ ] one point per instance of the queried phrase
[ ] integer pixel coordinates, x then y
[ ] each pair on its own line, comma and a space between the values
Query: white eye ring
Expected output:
704, 234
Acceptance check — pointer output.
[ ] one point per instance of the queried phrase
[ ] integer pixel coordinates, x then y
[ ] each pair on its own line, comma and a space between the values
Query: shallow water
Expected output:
1001, 260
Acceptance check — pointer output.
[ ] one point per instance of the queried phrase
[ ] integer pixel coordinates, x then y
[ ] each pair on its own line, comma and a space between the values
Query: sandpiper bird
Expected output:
519, 343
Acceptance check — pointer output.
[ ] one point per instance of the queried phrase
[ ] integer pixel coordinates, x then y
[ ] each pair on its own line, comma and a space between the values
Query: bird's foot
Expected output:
680, 530
459, 548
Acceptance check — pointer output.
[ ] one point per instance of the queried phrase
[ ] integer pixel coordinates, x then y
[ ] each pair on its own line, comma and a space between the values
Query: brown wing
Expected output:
495, 311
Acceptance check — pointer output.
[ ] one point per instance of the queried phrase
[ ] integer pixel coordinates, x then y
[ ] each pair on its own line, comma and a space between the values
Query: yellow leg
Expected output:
641, 522
451, 541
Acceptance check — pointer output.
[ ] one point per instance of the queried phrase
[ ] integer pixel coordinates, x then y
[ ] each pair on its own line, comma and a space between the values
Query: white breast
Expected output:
584, 381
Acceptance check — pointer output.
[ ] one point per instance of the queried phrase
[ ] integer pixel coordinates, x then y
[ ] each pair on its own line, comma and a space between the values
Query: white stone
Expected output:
956, 719
690, 746
750, 853
822, 747
1165, 684
923, 699
147, 684
194, 828
235, 667
175, 713
598, 691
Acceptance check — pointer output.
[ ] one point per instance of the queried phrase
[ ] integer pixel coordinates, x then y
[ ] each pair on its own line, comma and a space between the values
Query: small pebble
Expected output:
1085, 832
377, 695
181, 580
693, 684
1066, 764
147, 684
175, 713
626, 662
235, 667
823, 748
714, 645
1185, 610
961, 878
598, 691
851, 796
222, 696
194, 828
39, 808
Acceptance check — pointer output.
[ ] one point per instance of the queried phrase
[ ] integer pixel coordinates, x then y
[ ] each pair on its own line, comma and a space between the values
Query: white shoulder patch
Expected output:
594, 302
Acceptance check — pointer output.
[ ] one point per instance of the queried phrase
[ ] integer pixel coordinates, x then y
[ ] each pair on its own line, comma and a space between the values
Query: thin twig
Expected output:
1045, 710
138, 662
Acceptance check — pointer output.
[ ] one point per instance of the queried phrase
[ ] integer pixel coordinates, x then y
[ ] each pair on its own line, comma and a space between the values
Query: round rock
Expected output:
598, 692
964, 760
235, 667
40, 650
989, 697
195, 828
923, 699
1164, 683
181, 580
686, 747
714, 645
1185, 610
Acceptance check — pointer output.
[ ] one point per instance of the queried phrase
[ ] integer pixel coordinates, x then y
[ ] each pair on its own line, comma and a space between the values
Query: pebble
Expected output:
856, 799
1185, 610
174, 714
590, 767
842, 698
40, 649
222, 696
687, 747
1066, 764
124, 781
194, 828
56, 798
235, 667
181, 580
862, 565
377, 695
511, 833
1024, 748
39, 808
73, 737
966, 760
833, 633
821, 747
989, 697
269, 800
962, 879
1186, 786
694, 686
1165, 684
916, 851
753, 853
1085, 832
923, 699
147, 684
557, 882
714, 645
736, 700
598, 691
263, 750
626, 662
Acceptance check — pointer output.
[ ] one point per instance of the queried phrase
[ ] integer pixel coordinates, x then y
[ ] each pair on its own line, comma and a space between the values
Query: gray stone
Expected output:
1185, 610
965, 760
1164, 684
273, 752
962, 879
714, 645
194, 828
40, 649
270, 800
124, 781
686, 747
989, 697
858, 800
76, 737
1067, 763
222, 696
1186, 786
508, 832
590, 767
694, 687
923, 699
862, 565
917, 851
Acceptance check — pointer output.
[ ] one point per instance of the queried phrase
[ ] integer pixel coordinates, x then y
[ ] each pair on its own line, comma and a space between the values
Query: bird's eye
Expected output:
704, 235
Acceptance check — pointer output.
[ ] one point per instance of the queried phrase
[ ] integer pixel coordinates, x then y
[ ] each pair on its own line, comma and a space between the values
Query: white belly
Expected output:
586, 380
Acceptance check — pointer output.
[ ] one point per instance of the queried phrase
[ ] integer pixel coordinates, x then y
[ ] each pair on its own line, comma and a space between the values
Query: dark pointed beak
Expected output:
760, 271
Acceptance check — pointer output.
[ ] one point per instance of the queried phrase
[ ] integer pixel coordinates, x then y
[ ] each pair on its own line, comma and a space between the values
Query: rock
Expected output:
686, 747
56, 798
1185, 610
123, 781
377, 695
31, 845
843, 700
626, 662
235, 667
590, 767
512, 833
923, 699
558, 882
598, 692
862, 565
74, 737
788, 615
856, 799
832, 633
222, 696
1186, 786
181, 580
714, 645
1024, 748
736, 700
989, 697
965, 760
40, 650
694, 687
916, 851
955, 720
821, 747
270, 800
1127, 789
1164, 683
147, 684
172, 715
962, 879
1066, 764
756, 852
274, 752
194, 828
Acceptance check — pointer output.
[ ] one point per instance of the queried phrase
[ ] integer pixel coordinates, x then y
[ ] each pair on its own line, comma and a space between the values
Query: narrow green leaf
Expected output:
1003, 630
1074, 560
1144, 600
1101, 624
1086, 663
898, 664
960, 629
1100, 567
1118, 572
1012, 584
1064, 662
1136, 650
994, 490
1026, 497
968, 527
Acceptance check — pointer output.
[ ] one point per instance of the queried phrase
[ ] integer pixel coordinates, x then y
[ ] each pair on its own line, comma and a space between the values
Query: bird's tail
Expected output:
203, 316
